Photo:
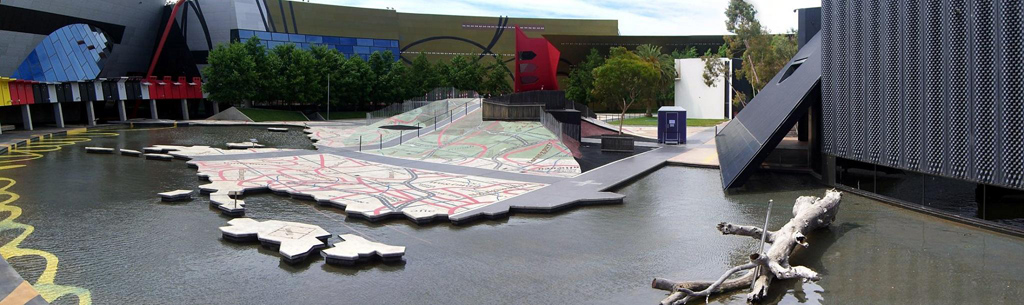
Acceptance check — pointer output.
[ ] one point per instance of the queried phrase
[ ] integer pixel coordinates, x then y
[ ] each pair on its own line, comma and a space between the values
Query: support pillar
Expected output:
58, 115
152, 110
184, 109
26, 117
120, 111
216, 107
90, 114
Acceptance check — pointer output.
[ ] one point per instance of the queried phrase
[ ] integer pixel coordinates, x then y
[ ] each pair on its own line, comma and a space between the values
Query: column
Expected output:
184, 109
152, 109
216, 107
120, 111
58, 115
90, 114
26, 117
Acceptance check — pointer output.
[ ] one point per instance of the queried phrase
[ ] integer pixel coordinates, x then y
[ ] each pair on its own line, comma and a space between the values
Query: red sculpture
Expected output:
536, 63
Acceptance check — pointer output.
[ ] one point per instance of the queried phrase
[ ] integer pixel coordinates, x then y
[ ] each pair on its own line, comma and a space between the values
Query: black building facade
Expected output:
923, 102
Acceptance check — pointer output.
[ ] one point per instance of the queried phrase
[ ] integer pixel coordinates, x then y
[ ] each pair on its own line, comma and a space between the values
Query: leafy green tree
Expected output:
231, 74
297, 76
465, 73
395, 83
623, 80
581, 78
356, 82
666, 66
497, 79
763, 54
422, 76
689, 52
328, 65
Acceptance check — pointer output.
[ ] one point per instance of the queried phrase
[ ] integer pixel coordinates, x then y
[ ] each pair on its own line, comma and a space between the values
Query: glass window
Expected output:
50, 76
244, 35
264, 36
347, 41
314, 39
364, 42
304, 46
381, 43
345, 49
296, 38
362, 50
279, 36
273, 44
332, 40
394, 43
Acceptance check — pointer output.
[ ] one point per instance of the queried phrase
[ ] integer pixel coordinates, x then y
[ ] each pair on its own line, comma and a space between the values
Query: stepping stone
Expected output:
158, 149
129, 152
294, 241
277, 129
161, 157
244, 145
99, 150
355, 249
176, 195
227, 205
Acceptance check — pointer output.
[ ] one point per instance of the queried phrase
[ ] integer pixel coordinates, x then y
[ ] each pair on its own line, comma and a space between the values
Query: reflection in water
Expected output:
101, 216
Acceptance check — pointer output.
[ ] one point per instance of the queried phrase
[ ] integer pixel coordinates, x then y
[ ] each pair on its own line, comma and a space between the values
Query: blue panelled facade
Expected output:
74, 52
350, 46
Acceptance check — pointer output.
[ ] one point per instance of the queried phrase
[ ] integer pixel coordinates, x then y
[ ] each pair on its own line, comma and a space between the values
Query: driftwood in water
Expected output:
809, 213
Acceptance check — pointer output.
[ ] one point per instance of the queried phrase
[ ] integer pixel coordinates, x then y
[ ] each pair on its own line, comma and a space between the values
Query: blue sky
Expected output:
643, 17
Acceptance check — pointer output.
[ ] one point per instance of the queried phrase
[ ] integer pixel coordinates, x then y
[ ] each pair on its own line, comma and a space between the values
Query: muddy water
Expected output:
99, 214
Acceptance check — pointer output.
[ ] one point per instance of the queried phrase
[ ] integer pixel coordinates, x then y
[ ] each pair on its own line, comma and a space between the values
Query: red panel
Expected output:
152, 87
21, 92
30, 97
181, 86
540, 71
165, 88
197, 89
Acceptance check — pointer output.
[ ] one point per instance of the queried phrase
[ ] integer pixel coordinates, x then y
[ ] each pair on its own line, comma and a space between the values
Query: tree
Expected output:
497, 80
666, 75
762, 53
356, 82
297, 76
422, 76
624, 79
581, 78
465, 73
328, 65
689, 52
231, 73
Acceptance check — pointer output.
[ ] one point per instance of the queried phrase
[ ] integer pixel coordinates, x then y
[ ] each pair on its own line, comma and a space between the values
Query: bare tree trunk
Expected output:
809, 213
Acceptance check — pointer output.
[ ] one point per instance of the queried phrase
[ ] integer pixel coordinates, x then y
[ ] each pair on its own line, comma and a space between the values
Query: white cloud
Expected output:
651, 17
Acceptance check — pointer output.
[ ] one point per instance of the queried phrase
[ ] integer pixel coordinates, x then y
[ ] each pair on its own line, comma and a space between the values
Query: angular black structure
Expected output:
748, 139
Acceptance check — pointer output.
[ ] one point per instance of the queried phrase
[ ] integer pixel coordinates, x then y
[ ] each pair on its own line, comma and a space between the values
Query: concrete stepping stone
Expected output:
176, 195
130, 152
355, 249
227, 205
277, 129
159, 149
161, 157
294, 241
99, 150
244, 145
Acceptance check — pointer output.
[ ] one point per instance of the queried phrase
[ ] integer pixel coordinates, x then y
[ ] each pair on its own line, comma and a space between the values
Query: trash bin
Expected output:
672, 125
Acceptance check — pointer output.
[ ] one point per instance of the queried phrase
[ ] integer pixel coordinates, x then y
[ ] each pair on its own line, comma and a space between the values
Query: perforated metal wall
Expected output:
934, 86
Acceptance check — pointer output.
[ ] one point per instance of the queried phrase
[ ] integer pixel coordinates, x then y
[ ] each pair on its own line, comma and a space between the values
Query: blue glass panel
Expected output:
362, 50
364, 41
332, 40
61, 75
50, 76
381, 43
314, 39
296, 38
70, 72
375, 49
274, 44
264, 36
265, 44
279, 36
48, 46
394, 43
304, 46
244, 35
345, 49
347, 41
45, 63
365, 57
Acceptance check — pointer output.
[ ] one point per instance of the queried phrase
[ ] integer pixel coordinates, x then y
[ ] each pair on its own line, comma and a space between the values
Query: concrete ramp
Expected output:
748, 139
230, 114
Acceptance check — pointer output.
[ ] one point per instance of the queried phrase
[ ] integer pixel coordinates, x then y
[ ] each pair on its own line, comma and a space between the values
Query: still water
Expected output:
99, 214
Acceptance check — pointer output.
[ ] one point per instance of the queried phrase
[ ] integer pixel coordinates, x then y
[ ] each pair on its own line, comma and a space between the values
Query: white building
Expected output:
700, 100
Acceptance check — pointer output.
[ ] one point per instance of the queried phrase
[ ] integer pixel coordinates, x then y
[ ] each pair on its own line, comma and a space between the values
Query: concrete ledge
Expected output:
353, 249
99, 150
242, 145
177, 195
294, 241
277, 129
161, 157
130, 152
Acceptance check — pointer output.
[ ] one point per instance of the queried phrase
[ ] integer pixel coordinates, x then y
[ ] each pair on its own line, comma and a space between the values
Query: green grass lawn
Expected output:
267, 115
342, 115
653, 121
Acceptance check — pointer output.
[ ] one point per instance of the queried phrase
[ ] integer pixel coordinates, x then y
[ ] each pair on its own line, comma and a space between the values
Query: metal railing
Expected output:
615, 116
393, 110
445, 93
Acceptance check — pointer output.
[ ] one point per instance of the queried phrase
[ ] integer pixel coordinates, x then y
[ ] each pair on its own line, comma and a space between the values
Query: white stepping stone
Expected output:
277, 129
227, 205
176, 195
161, 157
99, 150
243, 145
354, 249
130, 152
295, 241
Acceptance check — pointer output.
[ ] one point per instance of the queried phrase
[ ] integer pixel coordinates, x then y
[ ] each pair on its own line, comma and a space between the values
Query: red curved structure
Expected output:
536, 63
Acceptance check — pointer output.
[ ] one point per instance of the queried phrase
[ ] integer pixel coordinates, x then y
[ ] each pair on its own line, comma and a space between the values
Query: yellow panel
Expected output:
5, 91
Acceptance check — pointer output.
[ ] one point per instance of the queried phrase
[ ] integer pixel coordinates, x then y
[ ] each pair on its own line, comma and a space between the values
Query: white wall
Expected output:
701, 101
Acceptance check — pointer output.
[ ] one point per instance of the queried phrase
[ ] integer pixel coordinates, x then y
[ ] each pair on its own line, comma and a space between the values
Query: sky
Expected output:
636, 17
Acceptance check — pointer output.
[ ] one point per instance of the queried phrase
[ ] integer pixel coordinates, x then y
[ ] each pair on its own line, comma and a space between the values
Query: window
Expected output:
73, 52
